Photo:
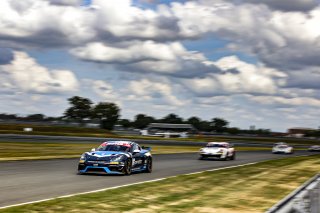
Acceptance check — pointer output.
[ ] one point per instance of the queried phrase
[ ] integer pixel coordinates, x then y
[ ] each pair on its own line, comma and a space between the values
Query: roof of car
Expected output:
218, 143
119, 142
280, 143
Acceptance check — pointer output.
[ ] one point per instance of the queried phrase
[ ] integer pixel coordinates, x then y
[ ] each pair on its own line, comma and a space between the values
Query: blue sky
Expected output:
245, 61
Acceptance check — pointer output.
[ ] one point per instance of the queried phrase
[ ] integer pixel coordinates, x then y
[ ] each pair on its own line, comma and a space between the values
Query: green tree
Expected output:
172, 119
80, 109
107, 113
233, 130
141, 121
124, 123
195, 121
205, 126
219, 125
35, 117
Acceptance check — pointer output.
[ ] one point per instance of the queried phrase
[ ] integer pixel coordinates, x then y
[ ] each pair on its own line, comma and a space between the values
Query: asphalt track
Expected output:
26, 181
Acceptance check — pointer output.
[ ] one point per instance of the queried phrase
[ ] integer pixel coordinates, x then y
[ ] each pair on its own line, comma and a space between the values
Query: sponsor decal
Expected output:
135, 162
118, 143
114, 163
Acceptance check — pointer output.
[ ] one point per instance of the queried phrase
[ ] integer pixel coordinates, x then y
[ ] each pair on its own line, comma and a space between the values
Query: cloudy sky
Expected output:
250, 62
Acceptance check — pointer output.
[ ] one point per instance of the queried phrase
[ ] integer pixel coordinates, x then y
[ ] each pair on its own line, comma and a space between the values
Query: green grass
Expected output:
252, 188
39, 150
94, 132
36, 150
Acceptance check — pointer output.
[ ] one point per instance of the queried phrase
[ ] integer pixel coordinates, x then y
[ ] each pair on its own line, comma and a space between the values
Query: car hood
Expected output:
282, 148
213, 149
103, 155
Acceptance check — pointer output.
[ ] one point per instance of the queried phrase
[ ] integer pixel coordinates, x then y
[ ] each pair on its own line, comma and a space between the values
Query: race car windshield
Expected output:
114, 148
283, 146
217, 145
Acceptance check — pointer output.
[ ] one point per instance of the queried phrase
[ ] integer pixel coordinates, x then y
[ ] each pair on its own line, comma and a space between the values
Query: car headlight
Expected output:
220, 151
117, 158
83, 157
201, 150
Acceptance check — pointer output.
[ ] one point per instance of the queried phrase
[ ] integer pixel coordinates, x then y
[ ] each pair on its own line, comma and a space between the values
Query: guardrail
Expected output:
305, 199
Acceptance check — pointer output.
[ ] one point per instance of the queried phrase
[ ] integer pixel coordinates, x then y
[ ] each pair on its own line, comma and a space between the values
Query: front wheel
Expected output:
149, 165
226, 157
233, 157
127, 167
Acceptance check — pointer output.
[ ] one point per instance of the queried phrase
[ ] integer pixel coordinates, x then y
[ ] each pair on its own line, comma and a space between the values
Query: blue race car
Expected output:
116, 157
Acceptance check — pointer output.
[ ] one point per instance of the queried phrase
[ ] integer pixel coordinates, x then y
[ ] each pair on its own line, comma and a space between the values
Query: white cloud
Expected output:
170, 58
66, 2
278, 100
24, 74
283, 38
237, 76
274, 36
129, 52
288, 5
26, 23
158, 92
104, 90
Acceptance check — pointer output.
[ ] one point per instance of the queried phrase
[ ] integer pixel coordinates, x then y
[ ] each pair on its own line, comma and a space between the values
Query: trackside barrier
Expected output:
305, 199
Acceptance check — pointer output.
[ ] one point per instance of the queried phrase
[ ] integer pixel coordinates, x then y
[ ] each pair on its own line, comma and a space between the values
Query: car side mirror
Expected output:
93, 149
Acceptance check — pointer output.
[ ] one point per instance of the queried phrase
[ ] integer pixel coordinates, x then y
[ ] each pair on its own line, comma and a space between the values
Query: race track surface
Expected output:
25, 181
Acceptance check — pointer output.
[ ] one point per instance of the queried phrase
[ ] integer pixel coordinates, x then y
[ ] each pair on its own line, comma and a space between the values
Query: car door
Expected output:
137, 157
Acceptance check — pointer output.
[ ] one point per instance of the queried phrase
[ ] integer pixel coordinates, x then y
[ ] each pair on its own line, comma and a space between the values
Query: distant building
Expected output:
169, 130
299, 131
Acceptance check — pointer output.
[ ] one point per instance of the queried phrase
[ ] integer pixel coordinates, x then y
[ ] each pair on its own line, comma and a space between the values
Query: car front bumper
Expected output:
109, 168
211, 155
281, 152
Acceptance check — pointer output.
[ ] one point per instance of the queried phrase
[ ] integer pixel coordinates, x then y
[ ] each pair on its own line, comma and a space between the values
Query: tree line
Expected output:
83, 110
108, 115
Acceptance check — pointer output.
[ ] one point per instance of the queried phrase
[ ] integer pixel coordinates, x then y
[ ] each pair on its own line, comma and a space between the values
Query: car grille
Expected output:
95, 170
94, 158
98, 161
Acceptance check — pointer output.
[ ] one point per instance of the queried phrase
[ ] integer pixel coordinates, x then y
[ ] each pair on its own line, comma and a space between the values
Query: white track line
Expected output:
132, 184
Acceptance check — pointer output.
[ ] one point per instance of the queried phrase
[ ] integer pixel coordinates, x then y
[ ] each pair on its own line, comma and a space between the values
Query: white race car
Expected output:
218, 150
315, 148
282, 149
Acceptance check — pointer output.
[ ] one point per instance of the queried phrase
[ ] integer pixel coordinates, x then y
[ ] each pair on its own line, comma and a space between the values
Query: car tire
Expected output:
201, 158
127, 167
233, 157
226, 157
149, 165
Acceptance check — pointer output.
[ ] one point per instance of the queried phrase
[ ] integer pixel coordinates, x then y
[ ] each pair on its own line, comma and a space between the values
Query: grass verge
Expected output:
94, 132
252, 188
37, 150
